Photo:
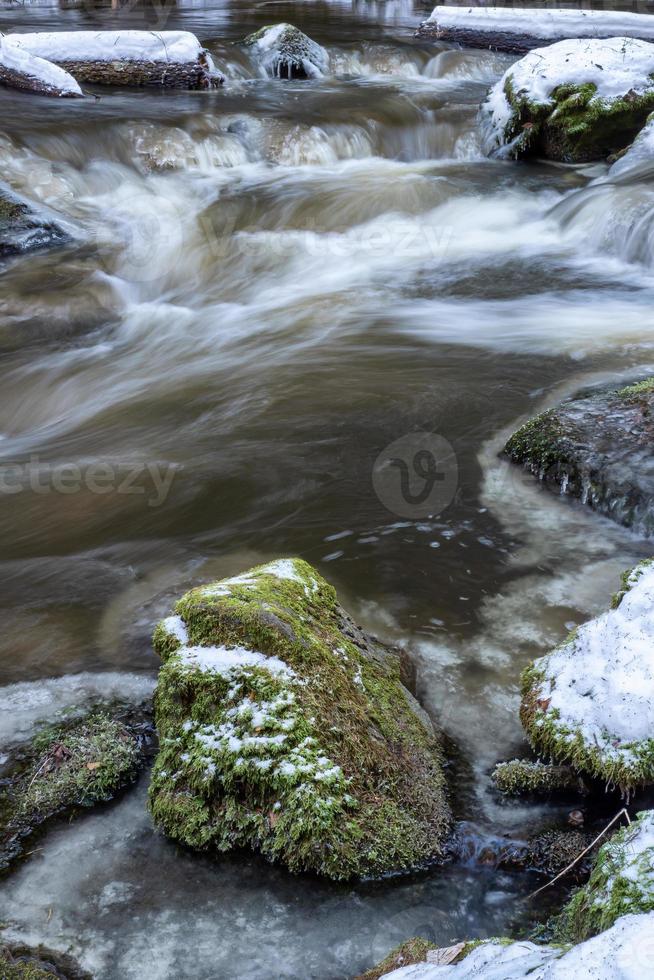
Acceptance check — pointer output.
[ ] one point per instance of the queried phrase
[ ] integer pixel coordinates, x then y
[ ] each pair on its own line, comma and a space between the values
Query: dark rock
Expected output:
23, 228
596, 447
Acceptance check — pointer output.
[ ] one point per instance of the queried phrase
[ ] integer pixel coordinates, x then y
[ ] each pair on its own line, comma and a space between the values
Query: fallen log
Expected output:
21, 70
171, 59
517, 30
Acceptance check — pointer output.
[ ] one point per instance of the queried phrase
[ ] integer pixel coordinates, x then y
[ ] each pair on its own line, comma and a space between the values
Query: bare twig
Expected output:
622, 812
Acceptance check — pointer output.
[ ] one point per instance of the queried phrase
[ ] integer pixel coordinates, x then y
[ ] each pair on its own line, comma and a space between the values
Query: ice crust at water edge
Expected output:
623, 952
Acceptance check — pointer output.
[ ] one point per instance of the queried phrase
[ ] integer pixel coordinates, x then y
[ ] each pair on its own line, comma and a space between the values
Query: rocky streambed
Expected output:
311, 268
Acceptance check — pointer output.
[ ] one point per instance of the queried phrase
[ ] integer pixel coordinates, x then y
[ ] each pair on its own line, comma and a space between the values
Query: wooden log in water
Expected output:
21, 70
517, 30
168, 59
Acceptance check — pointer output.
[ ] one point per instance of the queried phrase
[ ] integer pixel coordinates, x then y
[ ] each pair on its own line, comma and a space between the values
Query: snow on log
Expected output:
172, 59
21, 70
521, 29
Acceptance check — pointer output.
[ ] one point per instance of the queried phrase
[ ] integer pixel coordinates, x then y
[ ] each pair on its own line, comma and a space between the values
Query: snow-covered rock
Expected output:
21, 70
519, 29
621, 883
169, 58
576, 100
591, 701
623, 952
283, 51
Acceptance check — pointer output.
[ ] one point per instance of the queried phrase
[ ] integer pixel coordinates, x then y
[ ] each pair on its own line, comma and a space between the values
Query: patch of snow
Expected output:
225, 660
176, 627
284, 568
54, 79
623, 952
173, 47
545, 23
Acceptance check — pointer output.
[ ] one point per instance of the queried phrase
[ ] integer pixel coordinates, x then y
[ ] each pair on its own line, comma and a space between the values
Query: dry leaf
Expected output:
445, 955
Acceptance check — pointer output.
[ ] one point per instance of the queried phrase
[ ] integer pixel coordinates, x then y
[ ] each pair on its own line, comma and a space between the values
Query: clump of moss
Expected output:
285, 729
621, 882
66, 766
26, 963
525, 776
406, 954
540, 444
553, 850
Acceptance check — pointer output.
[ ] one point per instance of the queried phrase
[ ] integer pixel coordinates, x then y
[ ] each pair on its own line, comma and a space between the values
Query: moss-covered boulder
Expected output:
285, 729
591, 701
596, 447
19, 962
283, 51
533, 777
23, 228
65, 767
621, 883
577, 100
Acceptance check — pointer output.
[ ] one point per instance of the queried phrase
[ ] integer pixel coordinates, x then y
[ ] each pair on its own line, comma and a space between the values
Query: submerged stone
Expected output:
65, 767
596, 447
621, 882
285, 729
577, 100
283, 51
23, 228
591, 701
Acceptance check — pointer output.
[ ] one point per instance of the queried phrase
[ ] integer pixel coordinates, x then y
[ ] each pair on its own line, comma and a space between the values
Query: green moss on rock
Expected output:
621, 882
66, 766
525, 776
285, 729
18, 962
406, 954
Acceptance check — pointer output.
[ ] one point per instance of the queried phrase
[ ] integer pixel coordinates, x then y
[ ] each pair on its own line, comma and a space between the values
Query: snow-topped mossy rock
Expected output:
283, 51
591, 701
285, 729
621, 882
574, 101
623, 952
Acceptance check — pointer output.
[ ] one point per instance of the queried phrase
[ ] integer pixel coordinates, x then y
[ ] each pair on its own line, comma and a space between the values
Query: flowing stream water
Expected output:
266, 286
